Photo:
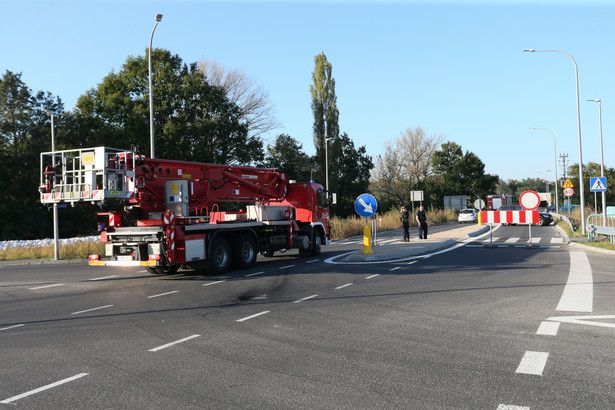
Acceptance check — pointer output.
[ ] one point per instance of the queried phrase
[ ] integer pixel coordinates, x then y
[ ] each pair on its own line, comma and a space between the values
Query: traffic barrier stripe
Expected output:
510, 217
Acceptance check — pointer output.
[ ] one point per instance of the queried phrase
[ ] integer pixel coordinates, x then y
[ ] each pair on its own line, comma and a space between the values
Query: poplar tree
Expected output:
326, 120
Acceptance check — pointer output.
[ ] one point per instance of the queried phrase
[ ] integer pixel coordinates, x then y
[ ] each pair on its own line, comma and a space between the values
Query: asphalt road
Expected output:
475, 327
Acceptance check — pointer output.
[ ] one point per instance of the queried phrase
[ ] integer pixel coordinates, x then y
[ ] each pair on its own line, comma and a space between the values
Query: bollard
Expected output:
367, 240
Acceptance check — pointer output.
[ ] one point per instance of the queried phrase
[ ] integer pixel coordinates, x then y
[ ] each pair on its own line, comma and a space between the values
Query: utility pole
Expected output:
564, 157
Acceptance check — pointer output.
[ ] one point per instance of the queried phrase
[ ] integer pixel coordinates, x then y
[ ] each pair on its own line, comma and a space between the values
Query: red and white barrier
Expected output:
509, 217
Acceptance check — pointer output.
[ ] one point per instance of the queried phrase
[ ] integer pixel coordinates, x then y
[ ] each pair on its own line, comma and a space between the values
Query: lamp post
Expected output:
601, 157
554, 164
151, 97
56, 245
581, 185
327, 164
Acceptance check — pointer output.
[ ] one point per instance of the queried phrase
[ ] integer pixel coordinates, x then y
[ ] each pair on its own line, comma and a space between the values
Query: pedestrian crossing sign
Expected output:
597, 184
568, 184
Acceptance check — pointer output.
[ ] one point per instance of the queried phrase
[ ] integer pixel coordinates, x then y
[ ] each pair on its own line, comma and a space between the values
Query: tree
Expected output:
590, 169
354, 169
405, 166
462, 174
326, 120
287, 155
253, 100
25, 131
194, 120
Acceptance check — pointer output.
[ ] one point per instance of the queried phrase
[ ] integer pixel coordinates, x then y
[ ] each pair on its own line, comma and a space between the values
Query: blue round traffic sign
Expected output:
365, 205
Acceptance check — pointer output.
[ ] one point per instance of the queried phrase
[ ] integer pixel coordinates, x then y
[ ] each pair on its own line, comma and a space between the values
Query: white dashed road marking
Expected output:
304, 299
533, 363
253, 316
548, 328
162, 294
47, 286
40, 389
155, 349
91, 310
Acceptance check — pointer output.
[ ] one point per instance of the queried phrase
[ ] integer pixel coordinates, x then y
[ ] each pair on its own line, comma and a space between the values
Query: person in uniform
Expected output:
421, 219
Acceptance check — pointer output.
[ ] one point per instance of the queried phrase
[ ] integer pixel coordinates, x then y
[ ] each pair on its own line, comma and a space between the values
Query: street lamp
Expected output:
601, 157
56, 245
581, 185
151, 97
327, 164
554, 164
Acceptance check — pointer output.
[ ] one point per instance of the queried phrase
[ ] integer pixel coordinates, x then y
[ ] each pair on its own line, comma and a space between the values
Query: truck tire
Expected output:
219, 256
315, 245
164, 270
244, 252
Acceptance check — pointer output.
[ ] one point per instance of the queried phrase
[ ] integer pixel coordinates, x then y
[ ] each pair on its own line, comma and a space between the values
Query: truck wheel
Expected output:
164, 270
315, 245
244, 252
219, 256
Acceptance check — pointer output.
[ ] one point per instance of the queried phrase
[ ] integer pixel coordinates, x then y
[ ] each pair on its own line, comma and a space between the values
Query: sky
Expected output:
455, 68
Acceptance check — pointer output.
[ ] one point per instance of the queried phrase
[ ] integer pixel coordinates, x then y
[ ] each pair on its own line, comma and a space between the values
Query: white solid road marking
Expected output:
535, 240
11, 327
40, 389
344, 286
372, 276
213, 283
253, 316
548, 328
162, 294
495, 238
514, 239
304, 299
105, 277
512, 407
155, 349
578, 294
91, 310
47, 286
533, 363
254, 274
585, 320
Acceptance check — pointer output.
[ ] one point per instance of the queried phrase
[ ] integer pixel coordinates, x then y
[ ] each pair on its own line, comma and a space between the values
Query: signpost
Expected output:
597, 184
366, 206
530, 200
568, 192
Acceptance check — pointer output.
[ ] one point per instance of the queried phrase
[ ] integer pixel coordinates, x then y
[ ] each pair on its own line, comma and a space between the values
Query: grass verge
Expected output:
78, 250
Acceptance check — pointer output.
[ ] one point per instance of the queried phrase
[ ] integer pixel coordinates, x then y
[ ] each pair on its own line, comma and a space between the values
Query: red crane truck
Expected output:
172, 216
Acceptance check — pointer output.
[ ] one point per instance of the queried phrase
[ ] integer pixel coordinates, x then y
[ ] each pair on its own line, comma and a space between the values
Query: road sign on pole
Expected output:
529, 200
597, 184
568, 184
365, 205
568, 192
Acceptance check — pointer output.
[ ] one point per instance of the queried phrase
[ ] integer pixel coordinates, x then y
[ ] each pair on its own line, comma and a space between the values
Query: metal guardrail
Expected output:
597, 224
565, 219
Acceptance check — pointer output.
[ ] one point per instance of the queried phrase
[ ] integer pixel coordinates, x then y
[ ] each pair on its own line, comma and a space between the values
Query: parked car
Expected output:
545, 217
468, 215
